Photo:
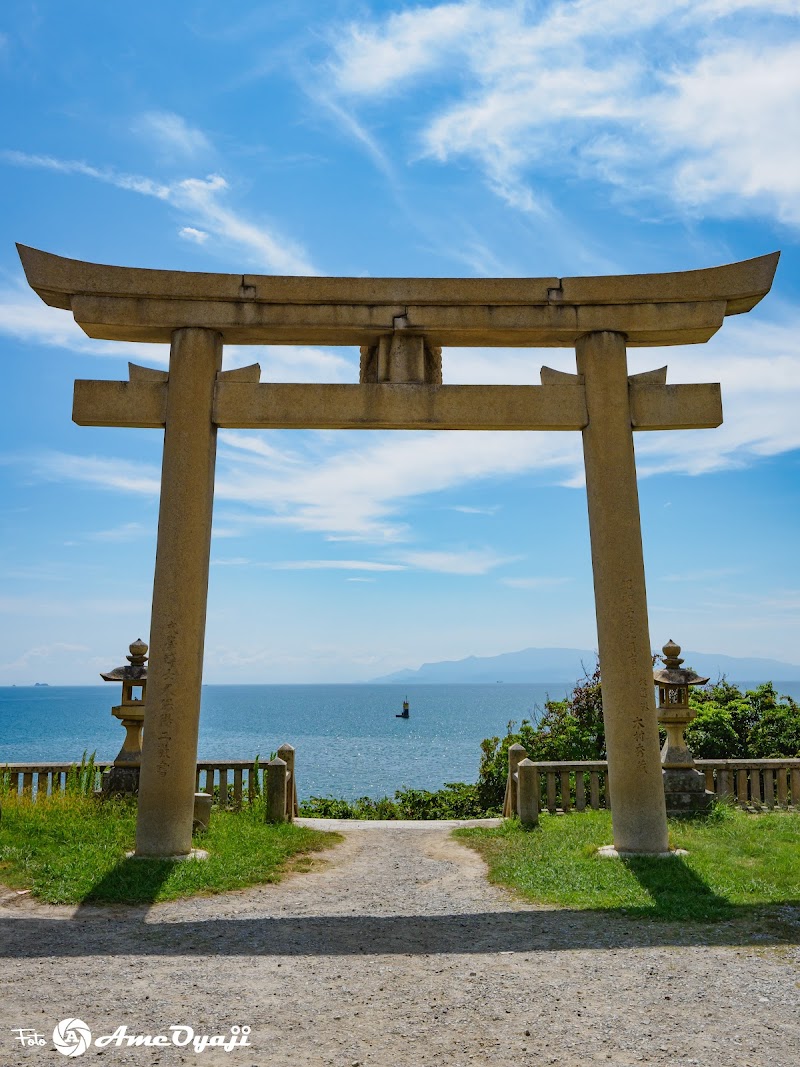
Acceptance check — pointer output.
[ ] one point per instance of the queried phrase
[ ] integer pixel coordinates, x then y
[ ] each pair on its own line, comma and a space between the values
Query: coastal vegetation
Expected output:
71, 849
455, 800
730, 724
736, 863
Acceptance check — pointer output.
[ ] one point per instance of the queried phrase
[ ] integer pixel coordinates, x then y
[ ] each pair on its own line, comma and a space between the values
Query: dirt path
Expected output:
396, 952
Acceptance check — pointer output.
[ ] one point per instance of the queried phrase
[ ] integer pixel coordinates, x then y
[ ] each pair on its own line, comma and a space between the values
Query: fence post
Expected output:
516, 752
528, 793
276, 791
286, 752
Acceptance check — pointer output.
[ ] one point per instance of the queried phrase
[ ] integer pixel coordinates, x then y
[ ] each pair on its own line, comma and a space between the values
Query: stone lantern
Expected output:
684, 786
123, 777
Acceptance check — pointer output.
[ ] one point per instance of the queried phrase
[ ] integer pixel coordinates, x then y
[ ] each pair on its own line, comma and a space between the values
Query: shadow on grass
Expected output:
131, 881
678, 893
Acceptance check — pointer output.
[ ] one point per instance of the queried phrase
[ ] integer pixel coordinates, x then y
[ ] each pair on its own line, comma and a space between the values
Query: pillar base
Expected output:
195, 854
608, 852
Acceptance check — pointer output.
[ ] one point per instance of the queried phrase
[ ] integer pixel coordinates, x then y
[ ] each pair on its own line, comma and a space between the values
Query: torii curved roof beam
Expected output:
134, 304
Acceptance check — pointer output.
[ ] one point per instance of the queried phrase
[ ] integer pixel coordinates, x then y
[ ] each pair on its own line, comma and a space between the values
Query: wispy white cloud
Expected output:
352, 128
334, 565
708, 118
171, 134
296, 363
203, 201
102, 471
70, 608
533, 583
465, 561
189, 233
356, 485
126, 531
40, 655
24, 317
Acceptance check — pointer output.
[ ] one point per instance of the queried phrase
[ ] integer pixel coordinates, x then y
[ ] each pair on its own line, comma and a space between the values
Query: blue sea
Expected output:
348, 741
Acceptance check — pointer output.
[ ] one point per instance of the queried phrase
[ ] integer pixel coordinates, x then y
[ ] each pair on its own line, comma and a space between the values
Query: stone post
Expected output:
516, 752
286, 753
276, 790
528, 793
629, 712
180, 588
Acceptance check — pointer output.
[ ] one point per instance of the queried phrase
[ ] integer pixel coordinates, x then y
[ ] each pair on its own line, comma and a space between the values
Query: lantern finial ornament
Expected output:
671, 655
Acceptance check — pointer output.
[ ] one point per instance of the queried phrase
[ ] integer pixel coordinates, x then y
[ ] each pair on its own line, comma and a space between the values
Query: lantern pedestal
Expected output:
685, 791
123, 777
120, 781
684, 786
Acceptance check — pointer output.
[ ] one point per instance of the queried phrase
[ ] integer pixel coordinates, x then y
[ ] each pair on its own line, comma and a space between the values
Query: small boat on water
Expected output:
404, 714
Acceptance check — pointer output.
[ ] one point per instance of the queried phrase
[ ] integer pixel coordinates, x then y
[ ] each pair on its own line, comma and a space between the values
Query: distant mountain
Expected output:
570, 664
529, 665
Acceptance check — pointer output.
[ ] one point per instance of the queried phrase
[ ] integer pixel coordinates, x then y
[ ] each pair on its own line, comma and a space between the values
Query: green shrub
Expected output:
456, 800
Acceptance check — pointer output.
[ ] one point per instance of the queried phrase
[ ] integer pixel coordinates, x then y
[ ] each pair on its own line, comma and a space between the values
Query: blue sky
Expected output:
457, 139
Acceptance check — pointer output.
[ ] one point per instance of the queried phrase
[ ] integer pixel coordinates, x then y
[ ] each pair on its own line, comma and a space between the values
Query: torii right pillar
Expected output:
626, 668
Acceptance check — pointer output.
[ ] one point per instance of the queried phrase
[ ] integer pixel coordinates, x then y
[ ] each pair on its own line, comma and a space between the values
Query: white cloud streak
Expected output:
708, 117
189, 233
202, 200
171, 134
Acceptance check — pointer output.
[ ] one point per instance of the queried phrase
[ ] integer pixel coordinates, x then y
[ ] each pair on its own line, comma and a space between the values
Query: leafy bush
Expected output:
570, 729
457, 800
750, 725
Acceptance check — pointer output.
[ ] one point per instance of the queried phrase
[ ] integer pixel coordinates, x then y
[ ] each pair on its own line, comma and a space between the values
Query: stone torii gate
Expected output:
400, 324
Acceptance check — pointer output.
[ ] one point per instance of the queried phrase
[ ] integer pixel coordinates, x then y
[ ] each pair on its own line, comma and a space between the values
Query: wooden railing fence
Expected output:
531, 787
231, 783
35, 779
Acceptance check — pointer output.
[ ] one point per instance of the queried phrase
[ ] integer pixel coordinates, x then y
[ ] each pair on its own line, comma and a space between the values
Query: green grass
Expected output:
70, 850
736, 862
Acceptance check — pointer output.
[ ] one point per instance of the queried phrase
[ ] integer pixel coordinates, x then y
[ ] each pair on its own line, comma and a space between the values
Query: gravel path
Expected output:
394, 951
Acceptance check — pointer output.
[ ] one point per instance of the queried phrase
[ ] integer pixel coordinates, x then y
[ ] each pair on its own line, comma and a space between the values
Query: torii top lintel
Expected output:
134, 304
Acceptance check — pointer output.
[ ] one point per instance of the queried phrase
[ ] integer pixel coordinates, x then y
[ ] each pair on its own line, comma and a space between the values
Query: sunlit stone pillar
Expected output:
629, 712
180, 589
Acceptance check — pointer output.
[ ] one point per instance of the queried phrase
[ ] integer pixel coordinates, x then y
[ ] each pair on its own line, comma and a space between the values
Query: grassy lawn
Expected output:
69, 850
736, 862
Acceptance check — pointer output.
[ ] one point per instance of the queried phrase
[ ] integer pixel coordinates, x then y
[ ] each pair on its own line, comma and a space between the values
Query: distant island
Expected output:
567, 665
41, 685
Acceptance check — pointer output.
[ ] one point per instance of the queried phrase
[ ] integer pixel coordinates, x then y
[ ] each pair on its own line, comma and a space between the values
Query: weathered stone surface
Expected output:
180, 589
629, 711
120, 781
125, 303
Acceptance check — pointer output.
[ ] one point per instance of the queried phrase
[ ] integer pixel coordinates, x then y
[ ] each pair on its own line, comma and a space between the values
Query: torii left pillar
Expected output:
180, 590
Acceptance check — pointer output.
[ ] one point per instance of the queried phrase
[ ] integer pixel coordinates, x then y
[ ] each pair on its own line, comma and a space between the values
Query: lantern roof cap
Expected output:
673, 673
136, 668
